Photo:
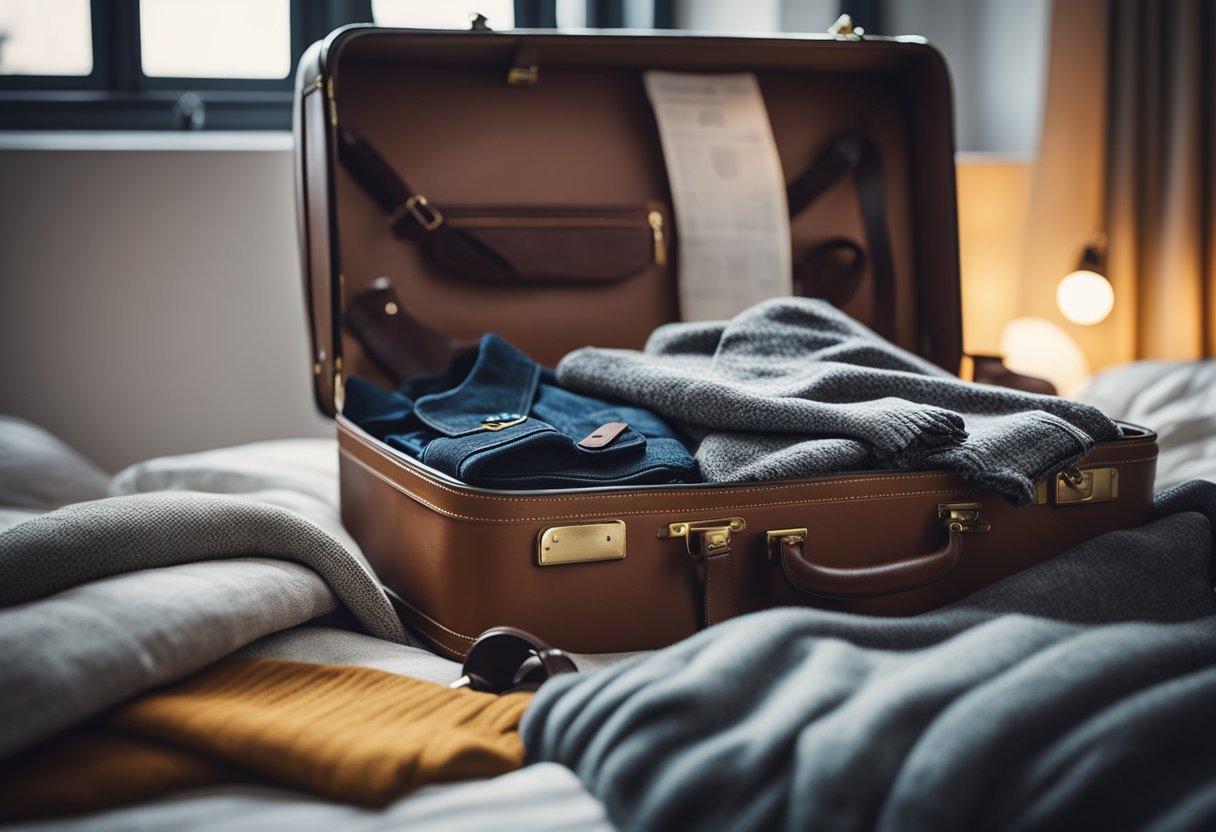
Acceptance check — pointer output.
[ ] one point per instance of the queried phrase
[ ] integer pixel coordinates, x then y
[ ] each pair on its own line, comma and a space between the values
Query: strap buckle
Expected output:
417, 206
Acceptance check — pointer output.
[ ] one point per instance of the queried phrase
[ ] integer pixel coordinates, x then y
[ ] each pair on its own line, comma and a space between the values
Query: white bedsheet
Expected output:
546, 796
1177, 399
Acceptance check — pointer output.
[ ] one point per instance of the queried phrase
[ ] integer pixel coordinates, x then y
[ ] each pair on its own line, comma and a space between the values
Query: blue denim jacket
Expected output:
497, 419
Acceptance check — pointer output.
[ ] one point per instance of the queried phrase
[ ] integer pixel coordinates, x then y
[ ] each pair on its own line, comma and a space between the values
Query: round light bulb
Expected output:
1085, 297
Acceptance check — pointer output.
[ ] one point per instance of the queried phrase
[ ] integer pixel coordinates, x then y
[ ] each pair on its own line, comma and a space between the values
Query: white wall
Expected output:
756, 15
150, 301
997, 52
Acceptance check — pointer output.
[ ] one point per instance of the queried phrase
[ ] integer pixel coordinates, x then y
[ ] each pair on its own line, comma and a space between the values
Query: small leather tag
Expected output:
603, 435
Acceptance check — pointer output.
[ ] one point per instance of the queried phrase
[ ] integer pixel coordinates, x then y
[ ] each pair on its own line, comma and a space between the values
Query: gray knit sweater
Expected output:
793, 388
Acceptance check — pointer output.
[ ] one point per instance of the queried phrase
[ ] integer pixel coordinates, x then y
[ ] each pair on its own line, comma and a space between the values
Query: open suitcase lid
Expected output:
515, 122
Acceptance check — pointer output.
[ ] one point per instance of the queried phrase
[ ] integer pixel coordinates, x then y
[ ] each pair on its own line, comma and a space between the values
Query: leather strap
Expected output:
870, 580
718, 580
398, 343
814, 274
832, 270
373, 173
409, 211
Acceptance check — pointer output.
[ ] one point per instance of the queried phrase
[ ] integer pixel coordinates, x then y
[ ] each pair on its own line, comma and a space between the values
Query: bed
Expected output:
1071, 693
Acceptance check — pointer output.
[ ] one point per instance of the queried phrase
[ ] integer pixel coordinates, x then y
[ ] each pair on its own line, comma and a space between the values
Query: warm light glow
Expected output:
1085, 297
1037, 347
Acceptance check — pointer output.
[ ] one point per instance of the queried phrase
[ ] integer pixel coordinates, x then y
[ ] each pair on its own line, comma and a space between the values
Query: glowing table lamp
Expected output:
1085, 296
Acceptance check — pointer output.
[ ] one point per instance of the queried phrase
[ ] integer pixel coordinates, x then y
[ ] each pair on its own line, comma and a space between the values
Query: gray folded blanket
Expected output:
793, 387
1074, 695
104, 599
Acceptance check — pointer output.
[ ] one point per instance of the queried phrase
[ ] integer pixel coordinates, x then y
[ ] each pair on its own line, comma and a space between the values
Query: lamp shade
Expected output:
1038, 347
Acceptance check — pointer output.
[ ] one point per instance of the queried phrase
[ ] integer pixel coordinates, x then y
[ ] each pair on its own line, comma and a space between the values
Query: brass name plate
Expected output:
582, 543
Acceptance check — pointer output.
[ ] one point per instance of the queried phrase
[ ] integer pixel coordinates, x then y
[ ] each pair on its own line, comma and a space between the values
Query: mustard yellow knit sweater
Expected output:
350, 734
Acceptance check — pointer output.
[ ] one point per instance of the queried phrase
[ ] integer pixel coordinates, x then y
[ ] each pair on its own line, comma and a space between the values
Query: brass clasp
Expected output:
1073, 486
718, 532
844, 29
773, 540
1093, 485
524, 69
962, 517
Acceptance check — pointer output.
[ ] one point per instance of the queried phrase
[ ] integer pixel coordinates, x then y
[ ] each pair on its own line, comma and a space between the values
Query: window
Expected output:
188, 64
215, 38
45, 37
452, 14
218, 64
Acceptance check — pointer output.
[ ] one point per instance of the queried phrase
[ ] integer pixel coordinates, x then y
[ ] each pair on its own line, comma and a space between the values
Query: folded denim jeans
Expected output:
497, 419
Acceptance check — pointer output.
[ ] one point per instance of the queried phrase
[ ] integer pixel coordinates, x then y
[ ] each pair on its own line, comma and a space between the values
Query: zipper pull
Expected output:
655, 218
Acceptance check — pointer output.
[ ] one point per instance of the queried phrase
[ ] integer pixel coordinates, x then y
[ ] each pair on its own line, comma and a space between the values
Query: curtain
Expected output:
1129, 147
1160, 200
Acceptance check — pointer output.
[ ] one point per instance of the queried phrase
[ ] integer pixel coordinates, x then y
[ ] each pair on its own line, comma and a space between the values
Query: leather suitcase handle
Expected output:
872, 579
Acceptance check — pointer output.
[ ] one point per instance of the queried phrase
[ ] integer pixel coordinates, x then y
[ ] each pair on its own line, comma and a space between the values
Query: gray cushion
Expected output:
40, 472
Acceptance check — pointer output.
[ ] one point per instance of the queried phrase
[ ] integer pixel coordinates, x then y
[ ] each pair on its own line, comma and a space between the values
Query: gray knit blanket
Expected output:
104, 599
1079, 694
795, 388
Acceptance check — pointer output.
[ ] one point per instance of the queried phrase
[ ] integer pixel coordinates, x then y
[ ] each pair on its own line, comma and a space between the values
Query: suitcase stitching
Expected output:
1093, 463
756, 489
430, 620
599, 496
629, 513
761, 489
449, 513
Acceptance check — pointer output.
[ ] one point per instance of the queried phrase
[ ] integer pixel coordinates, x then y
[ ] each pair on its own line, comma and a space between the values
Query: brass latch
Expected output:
717, 531
844, 29
524, 70
1093, 485
962, 517
1072, 487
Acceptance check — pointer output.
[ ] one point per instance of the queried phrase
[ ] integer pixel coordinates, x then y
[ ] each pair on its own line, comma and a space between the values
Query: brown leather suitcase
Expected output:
540, 119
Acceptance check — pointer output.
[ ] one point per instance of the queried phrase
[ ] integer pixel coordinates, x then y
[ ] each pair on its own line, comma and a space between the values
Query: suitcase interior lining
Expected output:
440, 110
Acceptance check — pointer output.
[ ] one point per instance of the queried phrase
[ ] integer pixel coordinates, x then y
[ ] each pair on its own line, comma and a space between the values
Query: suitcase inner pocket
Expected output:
576, 244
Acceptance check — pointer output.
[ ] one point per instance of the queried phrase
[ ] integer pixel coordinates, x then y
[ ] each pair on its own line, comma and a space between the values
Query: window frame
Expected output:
117, 95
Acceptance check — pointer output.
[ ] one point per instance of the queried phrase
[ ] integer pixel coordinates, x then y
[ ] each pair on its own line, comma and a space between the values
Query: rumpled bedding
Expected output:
107, 591
92, 645
1177, 399
540, 797
1078, 694
1067, 696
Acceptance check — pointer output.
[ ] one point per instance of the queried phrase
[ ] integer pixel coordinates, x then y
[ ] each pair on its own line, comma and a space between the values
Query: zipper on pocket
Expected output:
653, 221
